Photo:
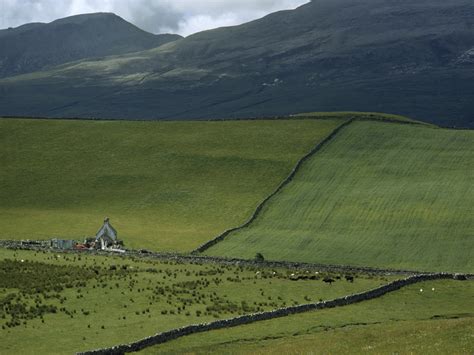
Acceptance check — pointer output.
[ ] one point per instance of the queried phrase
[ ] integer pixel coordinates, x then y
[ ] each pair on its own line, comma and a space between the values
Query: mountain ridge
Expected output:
412, 58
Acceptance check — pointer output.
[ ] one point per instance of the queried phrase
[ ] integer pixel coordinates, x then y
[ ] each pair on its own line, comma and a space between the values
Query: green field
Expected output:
165, 185
380, 195
58, 303
404, 322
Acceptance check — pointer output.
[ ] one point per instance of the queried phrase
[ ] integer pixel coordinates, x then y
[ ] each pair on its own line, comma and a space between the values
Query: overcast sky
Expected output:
178, 16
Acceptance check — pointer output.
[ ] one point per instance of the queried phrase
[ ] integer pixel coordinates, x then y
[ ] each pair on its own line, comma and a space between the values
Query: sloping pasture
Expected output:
379, 194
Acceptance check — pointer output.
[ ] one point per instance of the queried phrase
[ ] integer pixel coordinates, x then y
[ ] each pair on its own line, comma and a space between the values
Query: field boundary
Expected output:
264, 118
173, 334
285, 182
294, 117
205, 259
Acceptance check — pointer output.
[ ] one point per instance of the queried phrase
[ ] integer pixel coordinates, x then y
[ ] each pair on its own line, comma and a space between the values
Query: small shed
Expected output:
106, 237
62, 244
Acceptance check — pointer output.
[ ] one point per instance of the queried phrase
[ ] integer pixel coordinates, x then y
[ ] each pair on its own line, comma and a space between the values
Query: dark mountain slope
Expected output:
35, 46
412, 57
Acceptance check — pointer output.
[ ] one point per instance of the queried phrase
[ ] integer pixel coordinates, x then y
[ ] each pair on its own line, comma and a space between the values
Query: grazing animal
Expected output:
349, 278
328, 280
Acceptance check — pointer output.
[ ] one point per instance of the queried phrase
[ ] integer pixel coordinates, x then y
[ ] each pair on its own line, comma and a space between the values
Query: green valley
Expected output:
236, 177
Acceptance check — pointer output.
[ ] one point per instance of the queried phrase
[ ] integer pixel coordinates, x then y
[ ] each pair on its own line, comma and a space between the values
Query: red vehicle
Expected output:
80, 247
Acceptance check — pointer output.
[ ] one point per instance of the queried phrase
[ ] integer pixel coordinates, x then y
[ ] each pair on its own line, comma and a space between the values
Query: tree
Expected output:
259, 257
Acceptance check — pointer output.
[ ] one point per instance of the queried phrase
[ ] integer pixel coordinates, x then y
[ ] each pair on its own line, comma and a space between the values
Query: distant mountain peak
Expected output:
82, 18
37, 46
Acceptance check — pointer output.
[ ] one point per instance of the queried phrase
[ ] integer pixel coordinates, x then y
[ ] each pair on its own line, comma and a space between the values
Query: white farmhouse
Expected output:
106, 237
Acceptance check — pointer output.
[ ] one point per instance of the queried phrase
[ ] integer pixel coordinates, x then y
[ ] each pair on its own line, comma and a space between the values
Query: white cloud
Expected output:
198, 23
180, 16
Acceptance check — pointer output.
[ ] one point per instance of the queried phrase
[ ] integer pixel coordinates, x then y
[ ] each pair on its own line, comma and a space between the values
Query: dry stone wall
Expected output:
282, 312
292, 175
285, 182
203, 259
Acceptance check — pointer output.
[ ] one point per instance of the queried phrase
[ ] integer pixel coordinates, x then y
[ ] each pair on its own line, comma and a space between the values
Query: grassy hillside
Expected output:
95, 302
165, 186
408, 57
407, 321
383, 195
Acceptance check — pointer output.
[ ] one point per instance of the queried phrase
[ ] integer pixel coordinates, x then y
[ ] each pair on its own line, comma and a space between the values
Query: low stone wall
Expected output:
164, 337
285, 182
292, 175
203, 259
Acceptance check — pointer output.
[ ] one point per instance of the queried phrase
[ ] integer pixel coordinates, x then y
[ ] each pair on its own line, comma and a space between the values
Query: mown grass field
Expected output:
380, 195
439, 321
58, 303
165, 185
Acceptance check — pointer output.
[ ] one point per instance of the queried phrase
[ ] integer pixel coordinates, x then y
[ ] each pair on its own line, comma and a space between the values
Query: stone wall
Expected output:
285, 182
164, 337
203, 259
293, 173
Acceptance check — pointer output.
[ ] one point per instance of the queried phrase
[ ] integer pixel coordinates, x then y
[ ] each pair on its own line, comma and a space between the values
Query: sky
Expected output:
158, 16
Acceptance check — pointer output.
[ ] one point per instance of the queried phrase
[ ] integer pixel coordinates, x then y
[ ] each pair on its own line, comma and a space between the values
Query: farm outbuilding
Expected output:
62, 244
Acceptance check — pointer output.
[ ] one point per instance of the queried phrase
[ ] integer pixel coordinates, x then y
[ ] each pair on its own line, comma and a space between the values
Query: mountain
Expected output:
410, 57
36, 46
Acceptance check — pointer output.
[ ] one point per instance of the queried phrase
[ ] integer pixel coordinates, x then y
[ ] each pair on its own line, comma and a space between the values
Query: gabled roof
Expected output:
106, 231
